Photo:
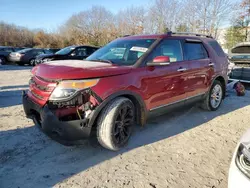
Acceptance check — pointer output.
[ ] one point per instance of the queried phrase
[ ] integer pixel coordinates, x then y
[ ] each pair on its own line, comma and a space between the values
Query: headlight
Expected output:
243, 158
67, 89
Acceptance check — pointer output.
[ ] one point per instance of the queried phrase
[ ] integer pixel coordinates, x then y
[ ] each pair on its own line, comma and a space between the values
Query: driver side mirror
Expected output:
73, 54
159, 61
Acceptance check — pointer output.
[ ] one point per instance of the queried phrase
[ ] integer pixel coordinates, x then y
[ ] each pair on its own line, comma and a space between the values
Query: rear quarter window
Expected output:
216, 47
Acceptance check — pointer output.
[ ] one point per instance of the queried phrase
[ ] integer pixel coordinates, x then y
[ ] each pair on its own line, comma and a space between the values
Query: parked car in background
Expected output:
53, 50
27, 56
239, 172
70, 52
123, 84
240, 54
4, 52
240, 57
19, 48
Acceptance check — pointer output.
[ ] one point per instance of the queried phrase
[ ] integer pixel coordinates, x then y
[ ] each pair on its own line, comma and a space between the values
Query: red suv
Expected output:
123, 84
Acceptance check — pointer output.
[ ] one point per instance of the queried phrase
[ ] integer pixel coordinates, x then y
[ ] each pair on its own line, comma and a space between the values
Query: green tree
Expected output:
233, 36
182, 28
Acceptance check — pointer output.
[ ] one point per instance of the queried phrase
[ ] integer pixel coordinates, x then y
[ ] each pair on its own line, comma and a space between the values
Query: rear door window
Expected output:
195, 51
217, 48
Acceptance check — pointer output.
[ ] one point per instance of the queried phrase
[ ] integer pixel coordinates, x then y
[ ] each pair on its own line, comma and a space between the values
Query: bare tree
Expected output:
164, 14
91, 26
131, 21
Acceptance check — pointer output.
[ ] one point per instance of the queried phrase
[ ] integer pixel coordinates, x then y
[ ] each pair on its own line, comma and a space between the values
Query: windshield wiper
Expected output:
102, 60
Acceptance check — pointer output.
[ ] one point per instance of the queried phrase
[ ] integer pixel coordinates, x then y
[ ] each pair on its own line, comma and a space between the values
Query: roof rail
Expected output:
125, 35
170, 33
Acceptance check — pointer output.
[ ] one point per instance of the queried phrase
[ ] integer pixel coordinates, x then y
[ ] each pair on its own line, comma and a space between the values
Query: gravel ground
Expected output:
187, 148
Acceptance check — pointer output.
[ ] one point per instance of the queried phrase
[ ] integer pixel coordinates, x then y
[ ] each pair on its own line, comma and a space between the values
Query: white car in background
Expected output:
239, 172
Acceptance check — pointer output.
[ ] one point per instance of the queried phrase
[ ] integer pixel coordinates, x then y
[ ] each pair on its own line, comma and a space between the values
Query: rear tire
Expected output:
114, 125
214, 97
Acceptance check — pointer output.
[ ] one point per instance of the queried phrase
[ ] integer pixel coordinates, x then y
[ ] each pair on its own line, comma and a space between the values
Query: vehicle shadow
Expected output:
28, 157
10, 97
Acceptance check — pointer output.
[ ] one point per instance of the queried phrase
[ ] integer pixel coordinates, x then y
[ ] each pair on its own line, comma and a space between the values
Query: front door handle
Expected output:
211, 64
181, 69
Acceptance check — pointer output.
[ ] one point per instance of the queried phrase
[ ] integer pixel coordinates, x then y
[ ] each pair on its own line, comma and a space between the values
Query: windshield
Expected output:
65, 51
122, 51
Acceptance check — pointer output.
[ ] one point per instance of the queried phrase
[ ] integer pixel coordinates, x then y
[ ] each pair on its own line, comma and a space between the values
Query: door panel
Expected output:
166, 85
200, 69
200, 74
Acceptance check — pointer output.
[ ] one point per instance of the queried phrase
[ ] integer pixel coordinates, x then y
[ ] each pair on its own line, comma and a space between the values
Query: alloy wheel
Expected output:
123, 124
216, 96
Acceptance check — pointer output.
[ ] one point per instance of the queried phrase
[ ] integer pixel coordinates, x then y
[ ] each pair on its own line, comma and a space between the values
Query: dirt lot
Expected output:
188, 148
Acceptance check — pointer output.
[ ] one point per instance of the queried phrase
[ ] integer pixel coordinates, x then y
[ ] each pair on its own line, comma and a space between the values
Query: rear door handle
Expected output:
181, 69
211, 64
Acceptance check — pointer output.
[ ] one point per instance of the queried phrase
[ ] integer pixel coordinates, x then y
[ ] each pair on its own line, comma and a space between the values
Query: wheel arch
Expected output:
141, 112
222, 80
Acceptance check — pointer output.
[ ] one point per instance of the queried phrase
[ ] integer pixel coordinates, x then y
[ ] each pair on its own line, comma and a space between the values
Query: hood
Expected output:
78, 69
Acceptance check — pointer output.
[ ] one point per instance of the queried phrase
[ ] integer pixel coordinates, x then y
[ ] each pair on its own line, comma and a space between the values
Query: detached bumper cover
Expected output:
49, 123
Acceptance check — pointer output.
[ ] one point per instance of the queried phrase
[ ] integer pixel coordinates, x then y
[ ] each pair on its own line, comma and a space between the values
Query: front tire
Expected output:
214, 98
114, 125
32, 62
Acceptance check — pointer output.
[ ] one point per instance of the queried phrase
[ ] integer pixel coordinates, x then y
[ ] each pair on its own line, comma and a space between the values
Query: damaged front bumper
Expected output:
61, 131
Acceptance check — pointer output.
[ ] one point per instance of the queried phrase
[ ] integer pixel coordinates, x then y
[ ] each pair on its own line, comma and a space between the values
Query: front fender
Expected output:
141, 109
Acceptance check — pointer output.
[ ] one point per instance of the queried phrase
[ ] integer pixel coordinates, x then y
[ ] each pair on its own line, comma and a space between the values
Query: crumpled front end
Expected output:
62, 120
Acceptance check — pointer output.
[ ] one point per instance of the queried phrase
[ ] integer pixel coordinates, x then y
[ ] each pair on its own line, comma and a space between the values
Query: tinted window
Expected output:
65, 51
18, 49
194, 51
171, 48
217, 48
91, 50
7, 50
81, 52
241, 50
25, 50
48, 52
37, 52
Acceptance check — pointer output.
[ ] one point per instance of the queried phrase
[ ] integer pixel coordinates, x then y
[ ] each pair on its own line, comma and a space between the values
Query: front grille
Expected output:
48, 80
41, 88
36, 95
